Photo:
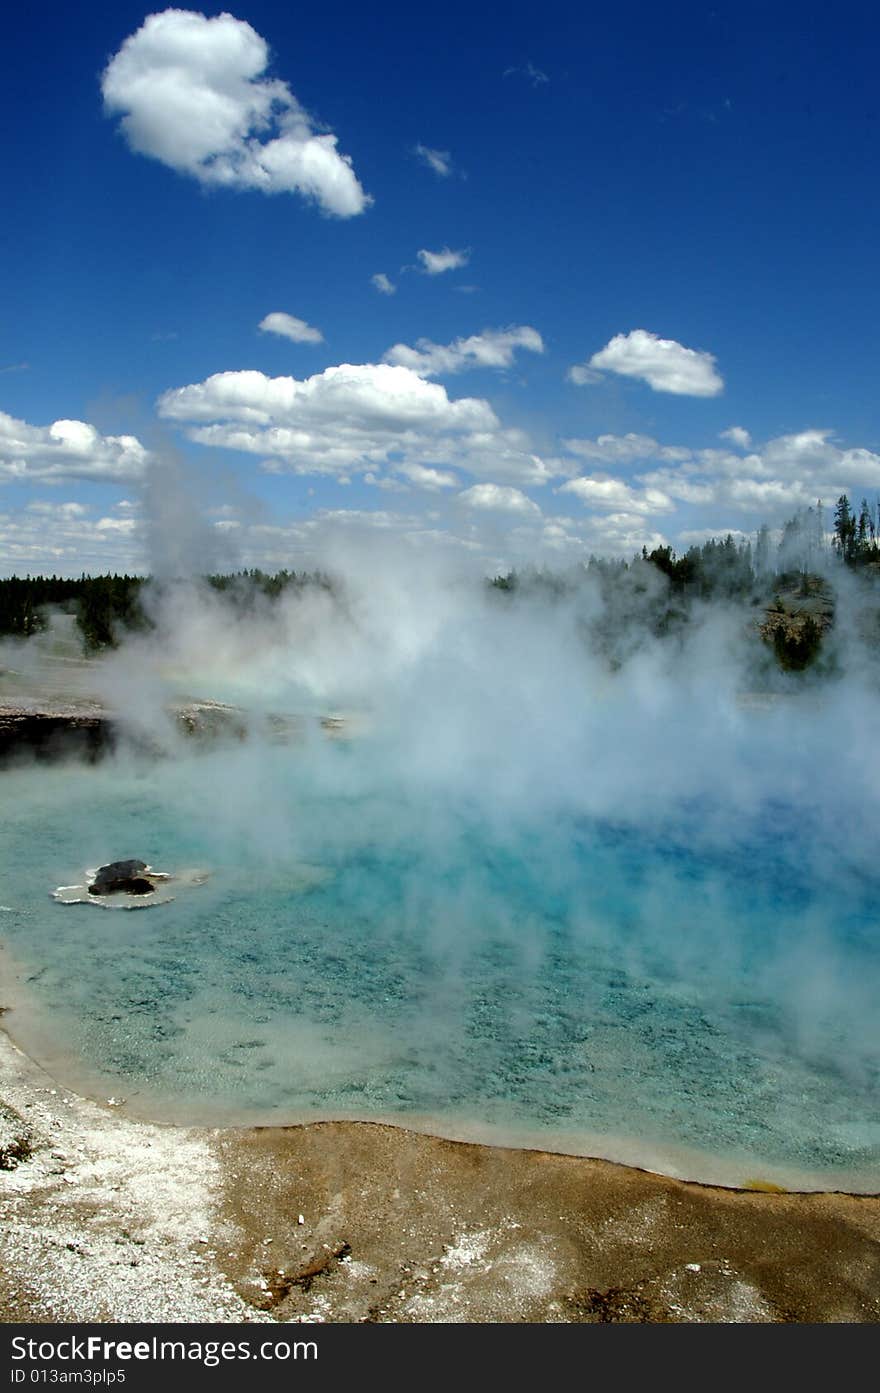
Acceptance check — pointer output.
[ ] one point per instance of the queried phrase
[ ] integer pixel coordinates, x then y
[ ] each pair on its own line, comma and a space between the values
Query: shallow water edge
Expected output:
28, 1031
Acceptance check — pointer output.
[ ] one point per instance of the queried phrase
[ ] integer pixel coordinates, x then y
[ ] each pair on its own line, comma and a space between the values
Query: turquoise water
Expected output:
364, 950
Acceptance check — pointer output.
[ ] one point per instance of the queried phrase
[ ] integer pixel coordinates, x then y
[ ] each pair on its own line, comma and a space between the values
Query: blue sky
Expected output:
656, 319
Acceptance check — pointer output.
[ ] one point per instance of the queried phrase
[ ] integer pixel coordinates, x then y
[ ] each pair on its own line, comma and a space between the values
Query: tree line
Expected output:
101, 604
107, 607
727, 568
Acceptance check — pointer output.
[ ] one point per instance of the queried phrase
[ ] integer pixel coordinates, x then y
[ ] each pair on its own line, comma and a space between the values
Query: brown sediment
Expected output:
109, 1219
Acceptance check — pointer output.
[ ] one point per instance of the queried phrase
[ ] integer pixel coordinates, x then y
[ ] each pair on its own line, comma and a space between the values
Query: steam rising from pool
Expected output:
533, 894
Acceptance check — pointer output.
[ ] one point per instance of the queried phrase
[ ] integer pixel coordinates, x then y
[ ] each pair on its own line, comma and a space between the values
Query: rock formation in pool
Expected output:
128, 885
129, 877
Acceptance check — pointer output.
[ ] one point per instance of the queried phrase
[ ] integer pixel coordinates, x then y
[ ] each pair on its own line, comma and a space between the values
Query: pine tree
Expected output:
844, 529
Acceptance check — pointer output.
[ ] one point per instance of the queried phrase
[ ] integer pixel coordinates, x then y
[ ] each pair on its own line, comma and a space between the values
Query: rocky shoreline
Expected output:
54, 733
88, 731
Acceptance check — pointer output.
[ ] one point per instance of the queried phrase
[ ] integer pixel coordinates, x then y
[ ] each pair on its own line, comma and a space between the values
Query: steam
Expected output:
527, 702
180, 540
692, 816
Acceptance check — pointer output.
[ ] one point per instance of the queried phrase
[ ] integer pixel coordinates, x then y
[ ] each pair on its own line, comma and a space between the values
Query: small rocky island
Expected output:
128, 884
126, 877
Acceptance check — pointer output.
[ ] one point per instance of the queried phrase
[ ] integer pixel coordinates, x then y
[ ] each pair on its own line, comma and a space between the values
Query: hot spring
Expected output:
662, 991
623, 908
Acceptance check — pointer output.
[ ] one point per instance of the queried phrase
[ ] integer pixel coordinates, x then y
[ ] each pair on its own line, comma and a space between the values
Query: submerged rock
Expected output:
122, 877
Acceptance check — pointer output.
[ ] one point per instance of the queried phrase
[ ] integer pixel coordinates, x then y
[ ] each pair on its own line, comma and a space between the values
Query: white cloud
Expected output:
382, 283
505, 454
812, 451
67, 450
432, 479
60, 539
435, 263
493, 348
665, 365
289, 327
697, 536
72, 545
364, 395
528, 534
361, 517
191, 93
65, 512
347, 417
599, 492
385, 482
623, 449
582, 376
353, 419
438, 160
788, 472
497, 498
737, 435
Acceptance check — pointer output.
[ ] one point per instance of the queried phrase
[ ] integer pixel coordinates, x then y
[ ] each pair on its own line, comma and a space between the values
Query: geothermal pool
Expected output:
661, 993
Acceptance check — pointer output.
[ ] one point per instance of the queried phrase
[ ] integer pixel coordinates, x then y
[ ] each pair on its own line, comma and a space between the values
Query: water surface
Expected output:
363, 951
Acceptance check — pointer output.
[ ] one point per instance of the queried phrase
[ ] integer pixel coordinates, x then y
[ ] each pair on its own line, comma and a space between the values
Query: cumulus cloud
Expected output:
528, 535
435, 263
505, 453
601, 492
354, 418
498, 498
385, 482
64, 539
364, 395
697, 536
665, 365
438, 160
55, 511
770, 483
382, 283
737, 435
729, 487
289, 327
582, 376
474, 532
191, 93
432, 479
493, 348
347, 417
73, 543
67, 450
623, 449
